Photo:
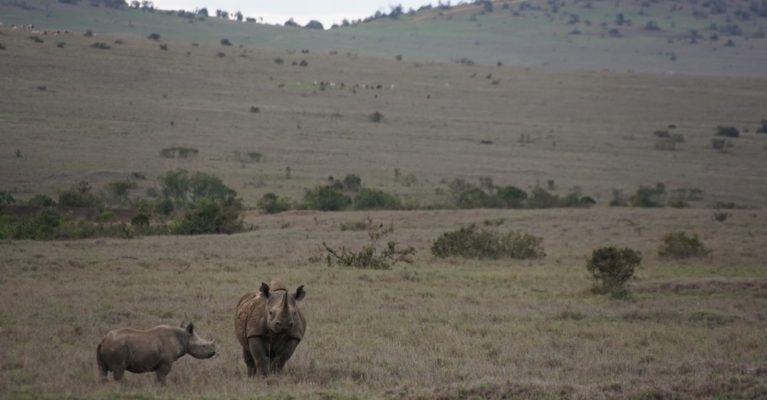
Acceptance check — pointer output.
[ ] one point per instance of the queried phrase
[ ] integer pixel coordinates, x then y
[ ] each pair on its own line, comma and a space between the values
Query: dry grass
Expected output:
434, 329
108, 113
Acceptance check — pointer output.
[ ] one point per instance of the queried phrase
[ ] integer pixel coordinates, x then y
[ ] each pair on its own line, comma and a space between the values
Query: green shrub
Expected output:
678, 245
727, 131
79, 195
210, 215
647, 196
352, 182
326, 198
6, 199
512, 197
376, 199
613, 267
41, 200
470, 242
119, 190
164, 206
184, 188
140, 221
270, 203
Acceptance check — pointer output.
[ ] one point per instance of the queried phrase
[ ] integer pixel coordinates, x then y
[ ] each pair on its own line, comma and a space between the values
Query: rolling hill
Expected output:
665, 37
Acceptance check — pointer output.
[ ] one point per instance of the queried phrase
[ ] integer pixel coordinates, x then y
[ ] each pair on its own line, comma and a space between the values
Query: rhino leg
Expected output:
249, 362
258, 352
278, 362
162, 371
118, 372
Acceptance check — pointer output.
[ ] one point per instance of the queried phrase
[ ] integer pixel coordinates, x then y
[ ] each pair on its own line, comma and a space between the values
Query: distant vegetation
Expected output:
473, 242
178, 152
185, 203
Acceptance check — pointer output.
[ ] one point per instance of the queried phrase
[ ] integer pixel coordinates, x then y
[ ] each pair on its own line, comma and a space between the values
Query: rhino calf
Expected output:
152, 350
269, 326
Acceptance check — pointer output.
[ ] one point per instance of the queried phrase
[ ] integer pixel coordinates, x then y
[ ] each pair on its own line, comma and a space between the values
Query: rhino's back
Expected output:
248, 316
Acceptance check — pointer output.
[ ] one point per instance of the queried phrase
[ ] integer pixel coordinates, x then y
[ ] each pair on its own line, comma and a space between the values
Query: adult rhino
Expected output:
269, 326
151, 350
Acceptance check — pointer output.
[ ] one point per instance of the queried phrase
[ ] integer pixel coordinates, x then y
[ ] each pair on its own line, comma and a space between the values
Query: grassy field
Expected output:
540, 35
432, 329
104, 114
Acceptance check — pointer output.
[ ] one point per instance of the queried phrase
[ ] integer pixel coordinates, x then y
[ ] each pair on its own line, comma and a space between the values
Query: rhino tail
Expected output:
103, 369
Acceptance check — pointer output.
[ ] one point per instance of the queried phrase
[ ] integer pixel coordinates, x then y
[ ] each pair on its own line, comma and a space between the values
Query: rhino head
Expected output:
281, 308
199, 347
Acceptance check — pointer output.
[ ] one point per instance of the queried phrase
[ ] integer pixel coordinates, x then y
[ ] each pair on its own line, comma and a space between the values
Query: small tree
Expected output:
613, 267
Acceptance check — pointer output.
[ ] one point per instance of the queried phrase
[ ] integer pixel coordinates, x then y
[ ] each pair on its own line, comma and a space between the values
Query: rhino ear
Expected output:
300, 293
190, 328
264, 289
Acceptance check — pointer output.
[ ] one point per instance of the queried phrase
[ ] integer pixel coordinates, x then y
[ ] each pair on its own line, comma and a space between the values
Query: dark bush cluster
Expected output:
270, 203
472, 242
487, 195
678, 245
613, 267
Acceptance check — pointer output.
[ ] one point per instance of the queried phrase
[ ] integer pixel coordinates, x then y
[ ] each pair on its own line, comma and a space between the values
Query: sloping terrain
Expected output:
82, 113
662, 37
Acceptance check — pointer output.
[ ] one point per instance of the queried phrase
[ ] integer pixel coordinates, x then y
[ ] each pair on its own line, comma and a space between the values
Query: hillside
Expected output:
78, 112
662, 37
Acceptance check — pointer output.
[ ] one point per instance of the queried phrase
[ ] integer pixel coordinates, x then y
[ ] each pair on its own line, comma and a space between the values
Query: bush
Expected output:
727, 131
613, 267
101, 46
79, 195
184, 188
680, 246
376, 117
41, 200
6, 198
326, 198
178, 152
119, 190
370, 257
375, 199
154, 36
512, 197
225, 42
270, 203
352, 182
470, 242
210, 215
650, 197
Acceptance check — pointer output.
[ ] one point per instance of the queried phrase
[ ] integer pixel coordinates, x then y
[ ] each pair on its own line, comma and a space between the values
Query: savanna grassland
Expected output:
431, 329
436, 328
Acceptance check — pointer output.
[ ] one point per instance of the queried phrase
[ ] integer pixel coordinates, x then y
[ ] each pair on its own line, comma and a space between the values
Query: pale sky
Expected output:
278, 11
